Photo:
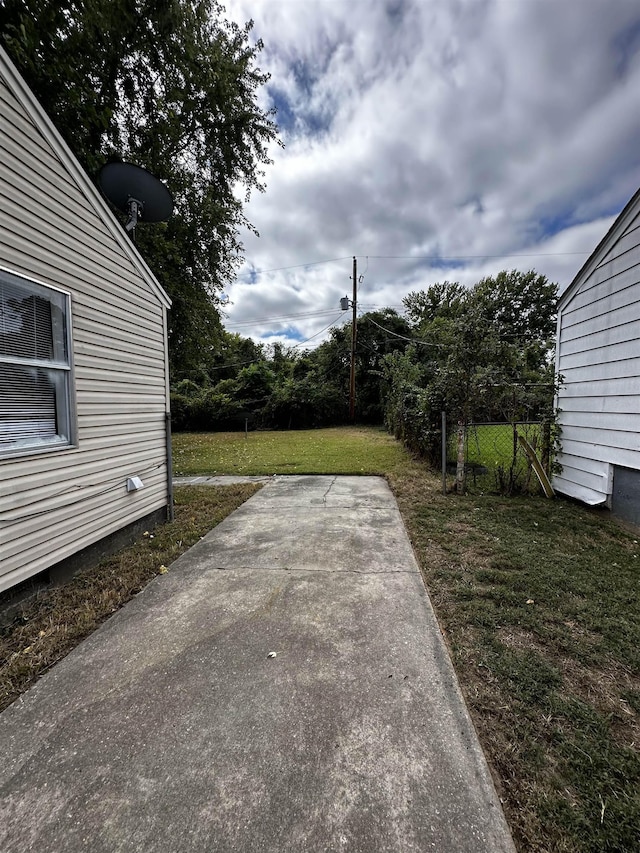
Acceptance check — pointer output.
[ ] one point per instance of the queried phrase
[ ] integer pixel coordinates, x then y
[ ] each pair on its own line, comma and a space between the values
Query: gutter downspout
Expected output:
167, 419
170, 512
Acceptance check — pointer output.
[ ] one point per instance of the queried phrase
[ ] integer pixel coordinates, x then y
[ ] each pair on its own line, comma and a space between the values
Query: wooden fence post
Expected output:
461, 468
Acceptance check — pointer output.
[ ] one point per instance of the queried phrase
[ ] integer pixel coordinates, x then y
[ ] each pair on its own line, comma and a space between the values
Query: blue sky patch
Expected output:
288, 332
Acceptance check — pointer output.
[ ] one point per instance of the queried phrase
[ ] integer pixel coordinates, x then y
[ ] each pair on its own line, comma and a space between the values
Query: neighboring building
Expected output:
84, 385
598, 353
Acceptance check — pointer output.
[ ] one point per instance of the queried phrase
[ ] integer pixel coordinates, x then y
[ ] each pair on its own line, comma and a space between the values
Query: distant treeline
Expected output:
481, 353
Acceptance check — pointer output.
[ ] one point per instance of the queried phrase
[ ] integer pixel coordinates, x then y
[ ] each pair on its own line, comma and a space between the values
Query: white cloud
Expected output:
472, 128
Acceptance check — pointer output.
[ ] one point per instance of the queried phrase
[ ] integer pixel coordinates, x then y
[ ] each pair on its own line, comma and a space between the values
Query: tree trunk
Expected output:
461, 474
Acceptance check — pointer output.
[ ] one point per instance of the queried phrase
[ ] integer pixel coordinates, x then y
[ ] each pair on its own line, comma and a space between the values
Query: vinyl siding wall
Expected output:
599, 357
54, 503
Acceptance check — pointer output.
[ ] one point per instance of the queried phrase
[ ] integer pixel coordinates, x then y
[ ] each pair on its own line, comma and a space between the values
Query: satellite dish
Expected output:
136, 192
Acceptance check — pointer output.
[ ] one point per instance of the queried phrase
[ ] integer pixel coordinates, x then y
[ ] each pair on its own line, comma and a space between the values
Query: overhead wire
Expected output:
255, 271
298, 266
404, 337
473, 257
302, 315
318, 333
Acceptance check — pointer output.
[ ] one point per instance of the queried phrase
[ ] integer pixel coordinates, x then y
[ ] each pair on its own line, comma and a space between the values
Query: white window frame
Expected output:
60, 370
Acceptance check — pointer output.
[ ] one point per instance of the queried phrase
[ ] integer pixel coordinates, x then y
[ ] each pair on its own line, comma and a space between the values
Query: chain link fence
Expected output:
495, 460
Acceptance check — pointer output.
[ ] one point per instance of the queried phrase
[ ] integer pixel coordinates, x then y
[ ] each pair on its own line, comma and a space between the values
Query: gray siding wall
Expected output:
55, 503
599, 356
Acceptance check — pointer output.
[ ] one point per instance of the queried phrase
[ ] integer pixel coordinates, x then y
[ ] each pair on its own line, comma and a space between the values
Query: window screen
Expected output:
34, 366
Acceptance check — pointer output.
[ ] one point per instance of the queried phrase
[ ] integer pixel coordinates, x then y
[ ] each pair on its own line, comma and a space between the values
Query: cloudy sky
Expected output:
433, 139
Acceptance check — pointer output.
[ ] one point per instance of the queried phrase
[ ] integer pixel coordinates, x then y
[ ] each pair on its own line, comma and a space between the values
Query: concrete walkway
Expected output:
283, 688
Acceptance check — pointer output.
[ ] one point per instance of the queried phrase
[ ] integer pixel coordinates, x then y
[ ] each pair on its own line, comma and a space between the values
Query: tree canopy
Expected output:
174, 87
483, 354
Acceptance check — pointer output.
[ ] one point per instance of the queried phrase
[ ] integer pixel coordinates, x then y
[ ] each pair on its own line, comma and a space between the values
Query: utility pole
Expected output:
352, 378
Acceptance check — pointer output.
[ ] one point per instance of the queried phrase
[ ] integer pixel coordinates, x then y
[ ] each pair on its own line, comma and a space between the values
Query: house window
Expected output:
35, 366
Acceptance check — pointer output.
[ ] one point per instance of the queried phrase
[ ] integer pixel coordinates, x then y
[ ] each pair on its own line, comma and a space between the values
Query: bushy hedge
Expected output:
291, 404
205, 411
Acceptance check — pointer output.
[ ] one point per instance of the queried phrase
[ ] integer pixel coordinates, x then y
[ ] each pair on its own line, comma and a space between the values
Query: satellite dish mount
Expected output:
136, 192
135, 210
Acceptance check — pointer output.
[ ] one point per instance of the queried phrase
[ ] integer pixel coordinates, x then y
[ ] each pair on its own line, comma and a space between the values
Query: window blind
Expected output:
34, 365
28, 405
26, 329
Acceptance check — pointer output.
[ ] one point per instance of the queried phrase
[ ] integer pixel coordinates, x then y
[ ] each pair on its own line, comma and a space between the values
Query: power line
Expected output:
302, 315
233, 364
471, 257
404, 337
299, 266
420, 258
318, 333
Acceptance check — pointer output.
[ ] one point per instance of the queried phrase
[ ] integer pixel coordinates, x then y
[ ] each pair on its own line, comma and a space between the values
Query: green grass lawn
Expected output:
343, 450
490, 453
492, 444
540, 605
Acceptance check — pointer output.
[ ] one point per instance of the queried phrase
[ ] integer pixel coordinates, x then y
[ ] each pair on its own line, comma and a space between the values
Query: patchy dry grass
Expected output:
539, 602
48, 626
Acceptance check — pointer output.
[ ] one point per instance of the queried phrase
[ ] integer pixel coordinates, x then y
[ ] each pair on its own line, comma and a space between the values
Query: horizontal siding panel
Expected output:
107, 347
109, 382
595, 482
64, 213
31, 156
128, 421
608, 278
628, 240
35, 209
599, 358
624, 456
102, 372
45, 494
602, 437
599, 355
616, 421
574, 490
618, 325
141, 443
65, 520
119, 397
35, 240
92, 326
141, 406
143, 429
627, 405
615, 293
27, 145
59, 548
628, 369
140, 358
22, 473
113, 343
621, 386
592, 466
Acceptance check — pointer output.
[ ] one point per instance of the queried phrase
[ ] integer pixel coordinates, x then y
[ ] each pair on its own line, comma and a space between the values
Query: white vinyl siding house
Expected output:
84, 391
598, 354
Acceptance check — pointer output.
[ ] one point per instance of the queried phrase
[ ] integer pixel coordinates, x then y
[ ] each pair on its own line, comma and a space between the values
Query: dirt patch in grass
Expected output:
51, 623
